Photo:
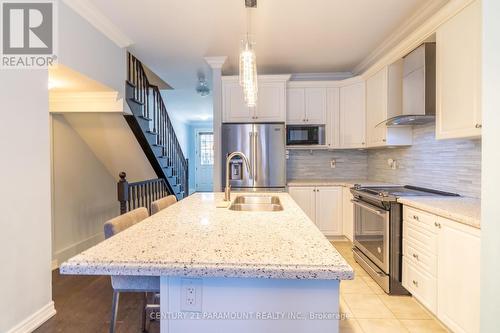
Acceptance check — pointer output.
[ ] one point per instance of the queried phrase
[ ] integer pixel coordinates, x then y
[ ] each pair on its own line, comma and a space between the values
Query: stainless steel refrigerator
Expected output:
264, 146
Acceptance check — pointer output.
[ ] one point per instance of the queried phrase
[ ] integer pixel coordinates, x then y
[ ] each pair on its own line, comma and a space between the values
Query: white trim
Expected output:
216, 62
34, 321
418, 36
335, 76
90, 13
412, 23
69, 251
100, 101
325, 84
267, 78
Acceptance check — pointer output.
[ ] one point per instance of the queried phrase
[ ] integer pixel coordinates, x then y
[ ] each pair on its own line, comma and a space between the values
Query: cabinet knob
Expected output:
415, 217
437, 225
384, 140
415, 256
479, 125
415, 283
363, 143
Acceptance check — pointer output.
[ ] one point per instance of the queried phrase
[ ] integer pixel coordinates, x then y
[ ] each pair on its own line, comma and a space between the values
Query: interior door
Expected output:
204, 161
269, 155
237, 137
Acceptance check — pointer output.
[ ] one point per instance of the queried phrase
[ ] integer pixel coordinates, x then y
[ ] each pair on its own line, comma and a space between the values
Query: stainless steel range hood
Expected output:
419, 87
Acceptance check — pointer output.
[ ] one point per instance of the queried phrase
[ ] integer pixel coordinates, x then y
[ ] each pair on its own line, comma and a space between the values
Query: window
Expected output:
206, 148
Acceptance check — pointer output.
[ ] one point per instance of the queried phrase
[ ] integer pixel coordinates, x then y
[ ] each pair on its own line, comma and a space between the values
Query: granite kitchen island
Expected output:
246, 271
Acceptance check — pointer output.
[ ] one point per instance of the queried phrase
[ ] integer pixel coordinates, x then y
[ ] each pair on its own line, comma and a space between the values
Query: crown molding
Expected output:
421, 34
333, 76
216, 62
90, 13
409, 25
99, 101
267, 78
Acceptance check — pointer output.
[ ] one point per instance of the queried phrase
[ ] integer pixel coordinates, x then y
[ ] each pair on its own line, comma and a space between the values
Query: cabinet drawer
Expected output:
420, 236
420, 217
420, 258
421, 285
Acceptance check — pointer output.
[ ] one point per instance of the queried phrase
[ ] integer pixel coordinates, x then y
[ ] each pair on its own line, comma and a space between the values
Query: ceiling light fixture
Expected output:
248, 63
202, 88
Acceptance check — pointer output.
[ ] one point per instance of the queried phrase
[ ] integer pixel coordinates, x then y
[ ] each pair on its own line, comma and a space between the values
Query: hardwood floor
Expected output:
83, 304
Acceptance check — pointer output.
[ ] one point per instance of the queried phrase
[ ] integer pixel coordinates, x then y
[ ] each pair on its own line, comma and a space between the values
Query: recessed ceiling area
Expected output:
292, 36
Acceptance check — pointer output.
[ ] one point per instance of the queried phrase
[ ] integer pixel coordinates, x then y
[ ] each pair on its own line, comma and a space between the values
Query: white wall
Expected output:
490, 212
25, 201
84, 193
86, 50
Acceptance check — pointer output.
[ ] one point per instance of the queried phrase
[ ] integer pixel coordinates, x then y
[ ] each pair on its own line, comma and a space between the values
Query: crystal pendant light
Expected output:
248, 63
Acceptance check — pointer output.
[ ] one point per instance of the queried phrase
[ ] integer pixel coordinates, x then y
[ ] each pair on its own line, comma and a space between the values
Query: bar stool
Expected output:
162, 203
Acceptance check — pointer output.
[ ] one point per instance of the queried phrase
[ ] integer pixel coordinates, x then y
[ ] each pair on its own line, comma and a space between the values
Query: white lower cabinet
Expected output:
347, 214
441, 268
322, 204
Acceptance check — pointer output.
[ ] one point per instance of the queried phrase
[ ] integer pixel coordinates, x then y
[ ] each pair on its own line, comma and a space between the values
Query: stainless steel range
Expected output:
378, 227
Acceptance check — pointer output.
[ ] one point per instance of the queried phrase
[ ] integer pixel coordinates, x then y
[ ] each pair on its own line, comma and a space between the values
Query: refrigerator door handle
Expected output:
252, 170
254, 154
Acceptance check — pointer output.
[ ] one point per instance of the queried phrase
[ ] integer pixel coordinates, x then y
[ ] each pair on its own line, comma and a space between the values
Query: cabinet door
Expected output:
305, 198
458, 276
333, 117
376, 108
296, 106
347, 214
316, 106
352, 116
329, 210
271, 102
235, 108
458, 73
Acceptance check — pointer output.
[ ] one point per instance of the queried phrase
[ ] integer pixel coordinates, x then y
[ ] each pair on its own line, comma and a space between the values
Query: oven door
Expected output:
371, 233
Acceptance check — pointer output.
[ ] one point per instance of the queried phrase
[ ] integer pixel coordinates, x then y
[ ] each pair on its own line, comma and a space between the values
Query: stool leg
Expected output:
114, 311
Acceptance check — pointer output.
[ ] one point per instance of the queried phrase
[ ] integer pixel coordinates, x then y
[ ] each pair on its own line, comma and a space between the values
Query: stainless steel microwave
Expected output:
305, 135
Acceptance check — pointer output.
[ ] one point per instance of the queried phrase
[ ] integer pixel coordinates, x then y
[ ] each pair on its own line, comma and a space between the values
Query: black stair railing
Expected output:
140, 194
155, 112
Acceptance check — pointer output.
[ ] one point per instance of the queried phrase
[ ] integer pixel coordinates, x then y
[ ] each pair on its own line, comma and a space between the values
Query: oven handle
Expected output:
369, 207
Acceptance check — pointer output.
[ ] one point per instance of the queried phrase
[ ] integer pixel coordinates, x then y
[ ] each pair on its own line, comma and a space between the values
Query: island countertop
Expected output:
194, 238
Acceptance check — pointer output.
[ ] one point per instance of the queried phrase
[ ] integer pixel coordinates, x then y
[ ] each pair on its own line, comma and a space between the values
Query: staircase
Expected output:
153, 129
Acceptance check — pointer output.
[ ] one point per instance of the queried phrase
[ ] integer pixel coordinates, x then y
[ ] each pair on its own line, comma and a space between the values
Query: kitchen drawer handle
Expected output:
437, 225
415, 283
415, 256
416, 218
479, 126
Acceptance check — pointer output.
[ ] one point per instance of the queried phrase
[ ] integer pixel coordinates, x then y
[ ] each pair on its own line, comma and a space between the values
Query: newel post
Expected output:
122, 187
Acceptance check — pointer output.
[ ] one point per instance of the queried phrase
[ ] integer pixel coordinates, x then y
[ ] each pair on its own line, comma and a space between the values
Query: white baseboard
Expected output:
34, 321
62, 255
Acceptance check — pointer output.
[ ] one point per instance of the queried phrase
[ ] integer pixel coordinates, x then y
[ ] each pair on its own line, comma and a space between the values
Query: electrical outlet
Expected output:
191, 292
333, 164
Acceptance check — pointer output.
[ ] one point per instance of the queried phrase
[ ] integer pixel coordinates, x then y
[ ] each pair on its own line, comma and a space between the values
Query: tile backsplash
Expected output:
448, 165
315, 164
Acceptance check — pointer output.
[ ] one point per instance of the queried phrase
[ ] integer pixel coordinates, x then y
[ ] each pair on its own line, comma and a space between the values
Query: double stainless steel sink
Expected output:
256, 203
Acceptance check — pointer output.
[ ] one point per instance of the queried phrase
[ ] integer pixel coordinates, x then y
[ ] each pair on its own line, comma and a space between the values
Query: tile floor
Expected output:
369, 310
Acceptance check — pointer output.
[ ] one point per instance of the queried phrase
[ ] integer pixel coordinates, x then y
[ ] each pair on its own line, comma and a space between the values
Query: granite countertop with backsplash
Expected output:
194, 238
461, 209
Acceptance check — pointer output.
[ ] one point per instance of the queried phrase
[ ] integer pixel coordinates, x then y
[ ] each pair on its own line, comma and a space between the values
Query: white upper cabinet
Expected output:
383, 101
306, 105
316, 106
352, 121
296, 106
271, 100
458, 74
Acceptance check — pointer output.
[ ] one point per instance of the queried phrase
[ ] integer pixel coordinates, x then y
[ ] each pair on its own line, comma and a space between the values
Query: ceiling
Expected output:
292, 36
